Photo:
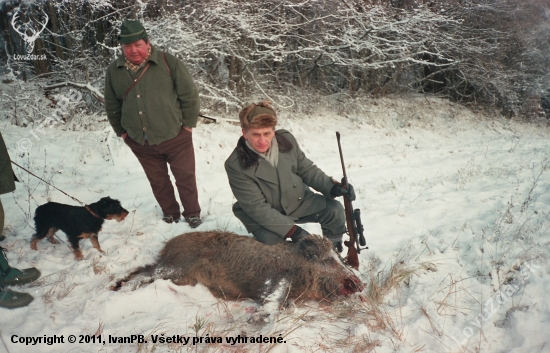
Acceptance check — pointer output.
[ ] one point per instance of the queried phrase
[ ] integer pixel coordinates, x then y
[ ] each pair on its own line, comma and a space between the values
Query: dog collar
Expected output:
92, 212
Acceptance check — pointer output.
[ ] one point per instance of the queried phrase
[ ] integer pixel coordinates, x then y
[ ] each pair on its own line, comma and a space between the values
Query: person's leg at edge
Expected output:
2, 237
10, 276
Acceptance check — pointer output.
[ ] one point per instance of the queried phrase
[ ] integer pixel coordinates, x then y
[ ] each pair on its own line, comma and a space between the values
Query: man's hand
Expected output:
123, 135
339, 190
299, 234
306, 243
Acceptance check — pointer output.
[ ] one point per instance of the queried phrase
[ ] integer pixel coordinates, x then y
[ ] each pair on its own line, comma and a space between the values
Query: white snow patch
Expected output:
466, 199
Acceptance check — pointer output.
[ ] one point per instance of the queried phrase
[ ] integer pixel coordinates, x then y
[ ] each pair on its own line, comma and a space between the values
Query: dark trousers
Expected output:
180, 155
332, 220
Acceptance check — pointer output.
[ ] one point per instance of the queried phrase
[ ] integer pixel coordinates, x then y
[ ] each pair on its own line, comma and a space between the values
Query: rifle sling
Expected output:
136, 80
166, 63
143, 73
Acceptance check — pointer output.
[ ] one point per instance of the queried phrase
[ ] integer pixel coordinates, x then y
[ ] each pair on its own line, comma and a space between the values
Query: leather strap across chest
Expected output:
143, 73
136, 80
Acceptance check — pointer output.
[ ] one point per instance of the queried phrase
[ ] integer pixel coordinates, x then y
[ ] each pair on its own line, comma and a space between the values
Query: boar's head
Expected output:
327, 271
337, 279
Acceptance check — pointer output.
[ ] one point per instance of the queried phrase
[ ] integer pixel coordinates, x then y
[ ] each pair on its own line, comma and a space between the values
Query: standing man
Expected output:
153, 104
271, 177
10, 276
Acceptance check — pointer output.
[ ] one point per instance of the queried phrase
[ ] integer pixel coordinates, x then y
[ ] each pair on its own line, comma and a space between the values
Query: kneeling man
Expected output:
271, 178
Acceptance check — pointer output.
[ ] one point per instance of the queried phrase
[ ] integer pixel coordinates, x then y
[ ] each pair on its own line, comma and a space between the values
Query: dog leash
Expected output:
36, 176
74, 198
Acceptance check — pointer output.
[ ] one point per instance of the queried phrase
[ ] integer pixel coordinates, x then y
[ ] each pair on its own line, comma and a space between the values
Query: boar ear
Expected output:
309, 248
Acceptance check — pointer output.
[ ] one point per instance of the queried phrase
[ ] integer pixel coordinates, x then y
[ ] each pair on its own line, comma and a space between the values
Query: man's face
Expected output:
260, 138
136, 52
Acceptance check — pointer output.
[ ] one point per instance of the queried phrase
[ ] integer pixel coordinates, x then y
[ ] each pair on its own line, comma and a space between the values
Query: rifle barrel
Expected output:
345, 180
207, 117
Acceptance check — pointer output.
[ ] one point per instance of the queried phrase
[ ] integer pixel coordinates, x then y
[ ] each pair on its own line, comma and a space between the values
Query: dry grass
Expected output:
61, 284
98, 267
383, 283
376, 314
202, 327
437, 331
100, 328
369, 310
365, 346
58, 291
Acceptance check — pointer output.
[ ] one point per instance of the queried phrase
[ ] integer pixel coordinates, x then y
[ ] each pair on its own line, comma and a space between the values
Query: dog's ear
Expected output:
105, 199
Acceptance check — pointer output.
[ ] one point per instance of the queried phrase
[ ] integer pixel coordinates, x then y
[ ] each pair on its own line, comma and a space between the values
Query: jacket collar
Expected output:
155, 57
249, 158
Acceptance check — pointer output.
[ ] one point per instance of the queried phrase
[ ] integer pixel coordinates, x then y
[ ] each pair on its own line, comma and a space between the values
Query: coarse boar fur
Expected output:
233, 267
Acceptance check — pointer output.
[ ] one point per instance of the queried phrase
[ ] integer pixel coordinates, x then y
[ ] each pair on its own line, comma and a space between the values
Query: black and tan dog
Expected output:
77, 222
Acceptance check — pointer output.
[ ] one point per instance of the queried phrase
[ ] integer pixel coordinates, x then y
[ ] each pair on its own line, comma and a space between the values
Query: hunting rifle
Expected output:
215, 120
207, 118
353, 221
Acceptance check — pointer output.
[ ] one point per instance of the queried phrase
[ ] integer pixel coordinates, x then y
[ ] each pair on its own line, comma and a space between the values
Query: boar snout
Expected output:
351, 285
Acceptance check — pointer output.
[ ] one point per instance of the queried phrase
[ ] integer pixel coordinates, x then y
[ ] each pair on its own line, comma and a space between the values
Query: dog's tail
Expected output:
142, 276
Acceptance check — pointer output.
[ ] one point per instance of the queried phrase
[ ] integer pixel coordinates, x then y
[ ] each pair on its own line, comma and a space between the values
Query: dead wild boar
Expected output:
233, 267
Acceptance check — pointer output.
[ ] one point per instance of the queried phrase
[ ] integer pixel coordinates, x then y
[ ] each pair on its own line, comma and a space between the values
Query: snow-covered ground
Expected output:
457, 203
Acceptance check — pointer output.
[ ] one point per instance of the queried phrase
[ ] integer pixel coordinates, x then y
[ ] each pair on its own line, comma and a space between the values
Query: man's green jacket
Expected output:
159, 105
7, 178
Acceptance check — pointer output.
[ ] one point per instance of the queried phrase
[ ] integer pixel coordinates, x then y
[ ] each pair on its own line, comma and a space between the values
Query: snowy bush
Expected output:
493, 53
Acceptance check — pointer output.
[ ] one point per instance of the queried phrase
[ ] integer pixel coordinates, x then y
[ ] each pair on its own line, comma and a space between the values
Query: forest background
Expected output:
489, 54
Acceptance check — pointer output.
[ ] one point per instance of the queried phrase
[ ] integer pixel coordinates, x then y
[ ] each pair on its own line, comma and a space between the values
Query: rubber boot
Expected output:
10, 299
11, 276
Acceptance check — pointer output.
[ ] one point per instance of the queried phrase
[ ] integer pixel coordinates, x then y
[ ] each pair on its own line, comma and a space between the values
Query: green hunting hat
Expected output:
131, 31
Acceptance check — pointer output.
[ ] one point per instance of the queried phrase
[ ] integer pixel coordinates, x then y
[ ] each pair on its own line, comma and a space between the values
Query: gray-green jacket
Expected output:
276, 197
7, 178
159, 105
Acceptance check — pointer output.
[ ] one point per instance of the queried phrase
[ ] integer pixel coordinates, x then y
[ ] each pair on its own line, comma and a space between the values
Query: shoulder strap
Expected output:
166, 63
136, 80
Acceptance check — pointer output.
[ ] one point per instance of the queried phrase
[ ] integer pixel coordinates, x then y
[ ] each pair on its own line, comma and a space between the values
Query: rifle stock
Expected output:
353, 255
353, 221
